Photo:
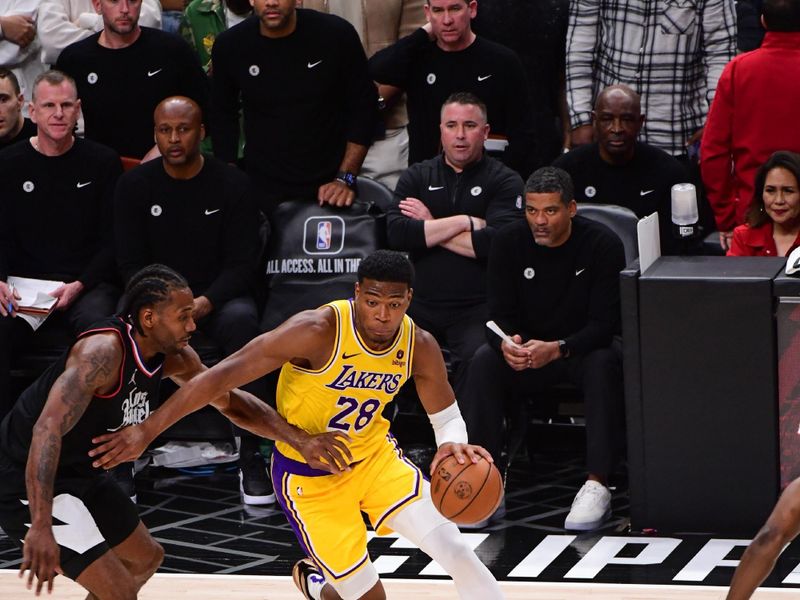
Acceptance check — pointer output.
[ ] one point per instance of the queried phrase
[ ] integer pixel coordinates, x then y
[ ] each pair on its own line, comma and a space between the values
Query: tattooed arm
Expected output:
92, 368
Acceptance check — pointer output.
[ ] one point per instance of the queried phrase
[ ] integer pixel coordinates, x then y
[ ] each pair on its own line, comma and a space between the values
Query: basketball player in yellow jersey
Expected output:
340, 364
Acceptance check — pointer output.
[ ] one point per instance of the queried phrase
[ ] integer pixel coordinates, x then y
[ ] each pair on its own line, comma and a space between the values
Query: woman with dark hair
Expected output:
772, 223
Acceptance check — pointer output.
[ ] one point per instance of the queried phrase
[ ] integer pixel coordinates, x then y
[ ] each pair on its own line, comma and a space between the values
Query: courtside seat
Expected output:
562, 405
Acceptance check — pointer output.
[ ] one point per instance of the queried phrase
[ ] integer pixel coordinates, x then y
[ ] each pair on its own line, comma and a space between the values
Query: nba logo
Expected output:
324, 235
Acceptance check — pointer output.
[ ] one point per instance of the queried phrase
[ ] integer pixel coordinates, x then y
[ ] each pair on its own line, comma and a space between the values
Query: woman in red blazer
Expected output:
772, 223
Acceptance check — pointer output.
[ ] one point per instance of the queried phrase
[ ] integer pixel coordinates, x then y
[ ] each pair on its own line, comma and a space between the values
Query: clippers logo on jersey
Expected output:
135, 408
323, 235
350, 378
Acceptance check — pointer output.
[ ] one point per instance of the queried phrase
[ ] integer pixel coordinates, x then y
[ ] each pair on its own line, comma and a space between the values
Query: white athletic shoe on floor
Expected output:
590, 509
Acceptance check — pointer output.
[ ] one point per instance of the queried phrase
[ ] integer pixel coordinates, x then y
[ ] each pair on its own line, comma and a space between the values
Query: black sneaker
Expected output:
123, 475
305, 572
254, 484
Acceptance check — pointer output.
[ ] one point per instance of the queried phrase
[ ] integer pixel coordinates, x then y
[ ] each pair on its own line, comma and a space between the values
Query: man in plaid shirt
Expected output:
671, 52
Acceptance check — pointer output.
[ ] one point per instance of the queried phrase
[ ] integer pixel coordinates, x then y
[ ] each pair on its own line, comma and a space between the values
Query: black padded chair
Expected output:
562, 404
620, 220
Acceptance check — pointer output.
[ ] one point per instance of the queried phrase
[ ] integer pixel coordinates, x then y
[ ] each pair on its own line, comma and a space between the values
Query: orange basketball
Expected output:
466, 493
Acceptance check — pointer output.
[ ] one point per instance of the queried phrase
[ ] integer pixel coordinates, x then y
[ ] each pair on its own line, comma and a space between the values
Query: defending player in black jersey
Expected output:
72, 518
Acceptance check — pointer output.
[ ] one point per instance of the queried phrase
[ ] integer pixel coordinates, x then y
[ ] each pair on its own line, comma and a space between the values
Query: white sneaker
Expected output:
591, 507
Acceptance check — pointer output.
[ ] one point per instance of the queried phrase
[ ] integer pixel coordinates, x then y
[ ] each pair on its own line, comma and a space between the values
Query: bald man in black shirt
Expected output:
187, 191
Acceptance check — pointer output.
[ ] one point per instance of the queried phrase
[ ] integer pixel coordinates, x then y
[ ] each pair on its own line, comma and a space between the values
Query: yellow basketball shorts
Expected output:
325, 510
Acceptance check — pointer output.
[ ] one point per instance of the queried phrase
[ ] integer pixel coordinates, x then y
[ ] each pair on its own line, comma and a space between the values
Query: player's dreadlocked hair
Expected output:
151, 285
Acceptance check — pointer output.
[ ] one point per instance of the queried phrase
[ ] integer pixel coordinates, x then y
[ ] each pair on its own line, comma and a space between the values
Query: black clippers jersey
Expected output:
129, 404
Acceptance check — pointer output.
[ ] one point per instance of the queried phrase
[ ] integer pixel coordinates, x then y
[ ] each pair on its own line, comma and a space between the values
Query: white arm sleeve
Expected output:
449, 426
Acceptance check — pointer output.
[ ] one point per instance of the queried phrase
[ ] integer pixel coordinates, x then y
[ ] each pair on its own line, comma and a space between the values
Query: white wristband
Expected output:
449, 426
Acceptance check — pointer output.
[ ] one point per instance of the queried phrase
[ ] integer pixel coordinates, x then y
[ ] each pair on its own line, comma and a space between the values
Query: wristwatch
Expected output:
563, 349
347, 178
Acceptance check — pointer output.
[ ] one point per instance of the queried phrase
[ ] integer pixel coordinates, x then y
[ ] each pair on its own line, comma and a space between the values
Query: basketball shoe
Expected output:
308, 579
254, 484
591, 507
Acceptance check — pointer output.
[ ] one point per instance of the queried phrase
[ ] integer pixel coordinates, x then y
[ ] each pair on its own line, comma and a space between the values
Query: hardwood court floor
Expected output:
247, 587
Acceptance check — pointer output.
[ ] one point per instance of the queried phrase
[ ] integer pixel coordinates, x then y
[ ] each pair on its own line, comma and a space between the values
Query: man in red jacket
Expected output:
754, 113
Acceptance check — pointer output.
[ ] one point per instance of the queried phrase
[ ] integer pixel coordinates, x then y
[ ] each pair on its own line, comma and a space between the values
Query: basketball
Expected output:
468, 493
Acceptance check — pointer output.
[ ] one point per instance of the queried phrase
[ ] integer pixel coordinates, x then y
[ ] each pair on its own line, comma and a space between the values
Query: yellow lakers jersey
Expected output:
350, 391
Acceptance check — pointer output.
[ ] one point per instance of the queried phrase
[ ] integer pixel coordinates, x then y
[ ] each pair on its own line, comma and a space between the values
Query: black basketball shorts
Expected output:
91, 514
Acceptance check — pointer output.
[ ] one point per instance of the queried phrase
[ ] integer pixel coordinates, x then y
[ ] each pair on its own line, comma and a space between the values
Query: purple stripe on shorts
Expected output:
417, 483
295, 467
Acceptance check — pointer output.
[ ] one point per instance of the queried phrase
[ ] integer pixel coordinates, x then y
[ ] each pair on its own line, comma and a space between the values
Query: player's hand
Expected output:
41, 557
462, 452
118, 447
335, 193
326, 451
516, 355
414, 208
67, 294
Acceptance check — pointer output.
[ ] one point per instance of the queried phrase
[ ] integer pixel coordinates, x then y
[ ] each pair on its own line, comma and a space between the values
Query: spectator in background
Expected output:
445, 56
553, 286
537, 31
753, 115
204, 20
446, 213
380, 23
19, 46
772, 222
13, 125
55, 219
300, 78
672, 54
64, 22
185, 190
127, 70
750, 31
171, 15
617, 169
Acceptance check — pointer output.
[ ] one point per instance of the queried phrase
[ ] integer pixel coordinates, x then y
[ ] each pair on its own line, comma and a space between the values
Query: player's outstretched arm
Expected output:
327, 451
439, 401
298, 338
92, 367
758, 560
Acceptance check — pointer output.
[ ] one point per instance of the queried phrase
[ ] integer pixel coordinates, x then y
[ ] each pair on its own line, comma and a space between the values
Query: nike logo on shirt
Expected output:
483, 77
211, 212
80, 185
645, 192
312, 65
151, 73
579, 271
345, 356
432, 188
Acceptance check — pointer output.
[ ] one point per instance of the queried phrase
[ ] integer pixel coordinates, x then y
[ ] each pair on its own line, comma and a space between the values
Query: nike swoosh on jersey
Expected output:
346, 356
432, 188
645, 192
211, 212
312, 65
151, 73
80, 185
484, 77
579, 271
